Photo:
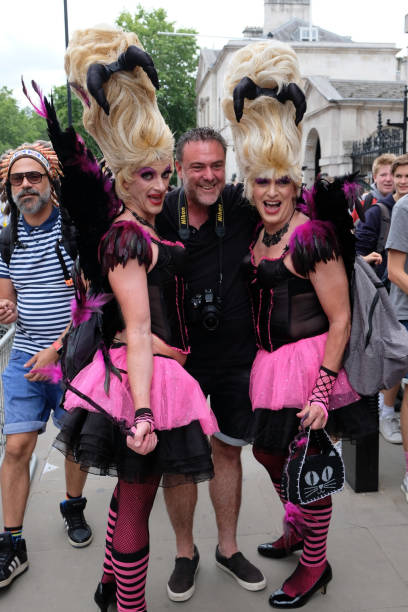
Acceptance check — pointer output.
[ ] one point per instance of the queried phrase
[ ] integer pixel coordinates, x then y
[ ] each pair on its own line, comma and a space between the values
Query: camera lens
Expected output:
210, 318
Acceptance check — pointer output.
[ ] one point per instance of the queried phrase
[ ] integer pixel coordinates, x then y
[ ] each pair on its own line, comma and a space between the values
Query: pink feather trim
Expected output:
301, 442
82, 311
53, 372
87, 164
293, 521
312, 232
308, 195
352, 191
42, 111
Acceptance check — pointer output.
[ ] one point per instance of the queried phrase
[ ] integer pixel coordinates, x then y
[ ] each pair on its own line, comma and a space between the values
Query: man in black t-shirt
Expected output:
216, 224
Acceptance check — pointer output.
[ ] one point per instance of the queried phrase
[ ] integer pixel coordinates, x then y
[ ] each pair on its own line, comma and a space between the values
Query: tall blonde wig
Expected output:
134, 134
267, 140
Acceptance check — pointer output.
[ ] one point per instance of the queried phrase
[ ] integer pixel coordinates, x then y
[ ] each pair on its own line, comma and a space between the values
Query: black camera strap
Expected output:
184, 230
67, 275
220, 231
182, 211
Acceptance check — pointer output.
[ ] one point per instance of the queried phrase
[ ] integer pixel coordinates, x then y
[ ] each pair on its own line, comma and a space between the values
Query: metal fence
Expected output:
6, 341
385, 140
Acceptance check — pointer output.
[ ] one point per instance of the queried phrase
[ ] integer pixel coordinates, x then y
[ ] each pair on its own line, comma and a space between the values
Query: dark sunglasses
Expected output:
32, 177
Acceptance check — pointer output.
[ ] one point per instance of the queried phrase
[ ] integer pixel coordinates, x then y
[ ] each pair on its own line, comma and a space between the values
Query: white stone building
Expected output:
346, 84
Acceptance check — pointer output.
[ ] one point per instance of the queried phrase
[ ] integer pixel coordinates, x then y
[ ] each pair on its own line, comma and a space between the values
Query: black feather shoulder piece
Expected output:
123, 241
330, 231
87, 192
312, 242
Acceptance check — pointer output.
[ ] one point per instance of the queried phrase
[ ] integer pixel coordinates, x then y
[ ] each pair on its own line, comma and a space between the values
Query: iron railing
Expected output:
385, 140
6, 342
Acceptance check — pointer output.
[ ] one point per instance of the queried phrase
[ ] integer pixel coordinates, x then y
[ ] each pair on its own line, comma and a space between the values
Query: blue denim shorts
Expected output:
27, 404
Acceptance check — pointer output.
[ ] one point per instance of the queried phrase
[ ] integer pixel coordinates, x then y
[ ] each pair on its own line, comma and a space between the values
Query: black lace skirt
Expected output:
98, 444
274, 430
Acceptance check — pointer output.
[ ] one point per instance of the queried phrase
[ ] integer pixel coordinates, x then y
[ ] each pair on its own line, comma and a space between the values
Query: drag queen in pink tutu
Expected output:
298, 273
133, 411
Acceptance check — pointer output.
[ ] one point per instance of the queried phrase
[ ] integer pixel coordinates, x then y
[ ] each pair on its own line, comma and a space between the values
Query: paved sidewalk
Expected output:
368, 546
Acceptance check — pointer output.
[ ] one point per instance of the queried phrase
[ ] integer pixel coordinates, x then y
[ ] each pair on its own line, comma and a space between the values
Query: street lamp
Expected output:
69, 101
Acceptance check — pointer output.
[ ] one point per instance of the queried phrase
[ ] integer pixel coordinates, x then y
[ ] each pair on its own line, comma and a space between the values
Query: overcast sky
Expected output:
32, 38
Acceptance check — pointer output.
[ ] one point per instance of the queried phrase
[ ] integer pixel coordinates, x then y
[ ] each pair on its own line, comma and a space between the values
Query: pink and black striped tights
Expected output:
316, 516
127, 543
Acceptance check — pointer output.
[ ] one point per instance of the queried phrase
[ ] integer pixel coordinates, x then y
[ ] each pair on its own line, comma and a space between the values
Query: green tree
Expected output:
59, 96
18, 125
176, 61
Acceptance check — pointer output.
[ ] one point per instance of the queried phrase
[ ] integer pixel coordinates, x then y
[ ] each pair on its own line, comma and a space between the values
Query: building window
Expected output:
311, 34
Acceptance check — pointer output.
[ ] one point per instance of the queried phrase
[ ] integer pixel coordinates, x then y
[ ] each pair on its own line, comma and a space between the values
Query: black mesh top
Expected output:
166, 297
285, 307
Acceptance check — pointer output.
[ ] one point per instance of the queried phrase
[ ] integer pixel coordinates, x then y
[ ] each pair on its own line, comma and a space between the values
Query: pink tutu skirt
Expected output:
285, 378
176, 397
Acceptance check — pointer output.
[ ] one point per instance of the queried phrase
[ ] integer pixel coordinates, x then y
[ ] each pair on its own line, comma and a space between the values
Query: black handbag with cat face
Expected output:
309, 477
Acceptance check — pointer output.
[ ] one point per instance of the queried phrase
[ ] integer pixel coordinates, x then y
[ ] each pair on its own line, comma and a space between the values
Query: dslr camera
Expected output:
205, 308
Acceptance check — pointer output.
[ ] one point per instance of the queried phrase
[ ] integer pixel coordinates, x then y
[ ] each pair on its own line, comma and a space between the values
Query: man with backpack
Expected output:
371, 233
35, 292
383, 183
371, 238
397, 245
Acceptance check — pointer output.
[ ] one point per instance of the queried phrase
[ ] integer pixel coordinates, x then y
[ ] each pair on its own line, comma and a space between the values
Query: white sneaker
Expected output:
390, 429
404, 486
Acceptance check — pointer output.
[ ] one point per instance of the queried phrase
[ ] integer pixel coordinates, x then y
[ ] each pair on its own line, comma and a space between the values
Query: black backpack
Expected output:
384, 227
370, 201
84, 339
67, 240
385, 224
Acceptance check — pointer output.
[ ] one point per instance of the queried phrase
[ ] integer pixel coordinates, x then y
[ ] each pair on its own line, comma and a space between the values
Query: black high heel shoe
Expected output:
279, 599
105, 594
268, 549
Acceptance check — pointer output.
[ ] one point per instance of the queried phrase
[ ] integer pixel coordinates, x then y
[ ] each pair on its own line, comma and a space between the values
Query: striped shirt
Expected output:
43, 298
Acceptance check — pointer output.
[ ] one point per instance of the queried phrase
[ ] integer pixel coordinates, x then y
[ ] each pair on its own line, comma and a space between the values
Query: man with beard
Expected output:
216, 224
35, 292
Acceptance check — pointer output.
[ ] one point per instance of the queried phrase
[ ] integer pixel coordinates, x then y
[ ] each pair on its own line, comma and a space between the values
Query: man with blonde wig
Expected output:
297, 272
133, 411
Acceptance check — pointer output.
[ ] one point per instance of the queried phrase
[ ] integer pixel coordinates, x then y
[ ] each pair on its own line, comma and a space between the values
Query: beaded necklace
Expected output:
270, 239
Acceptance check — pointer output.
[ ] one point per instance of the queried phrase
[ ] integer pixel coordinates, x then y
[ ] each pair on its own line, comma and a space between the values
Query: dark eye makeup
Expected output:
149, 173
283, 180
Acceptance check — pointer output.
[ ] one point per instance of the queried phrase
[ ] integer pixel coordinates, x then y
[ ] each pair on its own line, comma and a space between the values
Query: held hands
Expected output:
140, 440
41, 359
8, 312
313, 416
